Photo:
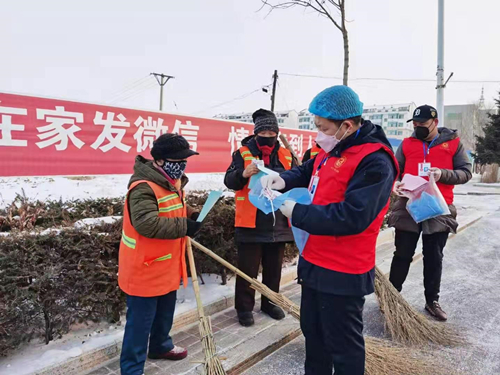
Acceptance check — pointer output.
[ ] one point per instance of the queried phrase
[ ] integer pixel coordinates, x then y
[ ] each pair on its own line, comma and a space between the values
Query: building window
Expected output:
385, 120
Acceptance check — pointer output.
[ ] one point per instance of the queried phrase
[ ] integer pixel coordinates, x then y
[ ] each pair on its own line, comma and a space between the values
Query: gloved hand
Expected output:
193, 227
273, 182
287, 208
398, 189
436, 172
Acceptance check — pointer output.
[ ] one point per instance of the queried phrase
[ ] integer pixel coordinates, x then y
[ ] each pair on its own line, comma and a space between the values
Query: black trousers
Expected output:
250, 256
433, 246
333, 328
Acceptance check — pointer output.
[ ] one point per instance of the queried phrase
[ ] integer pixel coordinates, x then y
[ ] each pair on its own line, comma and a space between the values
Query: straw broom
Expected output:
382, 357
212, 364
404, 323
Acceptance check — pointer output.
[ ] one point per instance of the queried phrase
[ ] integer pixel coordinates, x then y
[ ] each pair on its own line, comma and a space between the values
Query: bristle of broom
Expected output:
382, 357
212, 365
405, 324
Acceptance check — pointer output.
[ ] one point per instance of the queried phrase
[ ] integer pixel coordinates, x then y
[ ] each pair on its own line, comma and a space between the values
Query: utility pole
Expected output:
273, 95
440, 64
162, 80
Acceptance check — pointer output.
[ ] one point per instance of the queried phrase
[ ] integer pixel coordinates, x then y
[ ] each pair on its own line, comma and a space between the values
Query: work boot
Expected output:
246, 318
273, 311
176, 354
436, 311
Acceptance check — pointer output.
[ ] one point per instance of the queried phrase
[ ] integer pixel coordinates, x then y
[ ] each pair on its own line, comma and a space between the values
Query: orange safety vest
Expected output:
314, 151
149, 267
246, 212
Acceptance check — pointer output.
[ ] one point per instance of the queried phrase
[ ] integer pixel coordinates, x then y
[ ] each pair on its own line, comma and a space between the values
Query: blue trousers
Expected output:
148, 318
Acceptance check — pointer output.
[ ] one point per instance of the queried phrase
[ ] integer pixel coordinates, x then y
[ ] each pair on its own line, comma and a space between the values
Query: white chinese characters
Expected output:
236, 136
7, 127
55, 131
188, 131
148, 131
113, 132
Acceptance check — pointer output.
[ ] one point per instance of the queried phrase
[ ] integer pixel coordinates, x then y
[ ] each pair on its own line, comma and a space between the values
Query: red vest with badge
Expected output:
353, 254
149, 267
439, 156
246, 212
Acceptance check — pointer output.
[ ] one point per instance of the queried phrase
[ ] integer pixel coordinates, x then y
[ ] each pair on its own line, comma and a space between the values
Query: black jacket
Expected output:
265, 231
367, 193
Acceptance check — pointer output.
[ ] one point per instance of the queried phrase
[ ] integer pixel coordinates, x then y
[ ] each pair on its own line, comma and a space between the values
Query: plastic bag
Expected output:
268, 201
426, 202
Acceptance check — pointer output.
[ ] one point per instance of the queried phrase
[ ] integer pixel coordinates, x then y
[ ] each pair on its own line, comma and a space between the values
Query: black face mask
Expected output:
421, 132
266, 141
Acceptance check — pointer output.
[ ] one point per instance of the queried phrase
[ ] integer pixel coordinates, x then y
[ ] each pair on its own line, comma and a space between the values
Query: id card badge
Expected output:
313, 185
423, 169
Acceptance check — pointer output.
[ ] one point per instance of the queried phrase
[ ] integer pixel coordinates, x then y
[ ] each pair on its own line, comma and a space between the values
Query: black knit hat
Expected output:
265, 120
171, 146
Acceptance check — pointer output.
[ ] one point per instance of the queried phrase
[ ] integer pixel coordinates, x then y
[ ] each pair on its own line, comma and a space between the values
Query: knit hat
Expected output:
171, 146
336, 103
265, 120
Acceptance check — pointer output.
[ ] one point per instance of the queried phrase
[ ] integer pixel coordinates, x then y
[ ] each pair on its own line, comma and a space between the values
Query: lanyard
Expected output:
426, 151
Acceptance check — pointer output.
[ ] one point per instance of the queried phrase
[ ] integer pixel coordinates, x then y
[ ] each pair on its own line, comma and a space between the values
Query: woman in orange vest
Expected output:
259, 237
156, 221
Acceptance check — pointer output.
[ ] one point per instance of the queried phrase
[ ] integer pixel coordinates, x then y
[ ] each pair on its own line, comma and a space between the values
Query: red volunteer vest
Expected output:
149, 267
246, 212
440, 156
353, 254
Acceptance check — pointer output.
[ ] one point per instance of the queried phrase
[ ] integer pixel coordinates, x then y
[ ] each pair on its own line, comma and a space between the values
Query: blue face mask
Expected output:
174, 169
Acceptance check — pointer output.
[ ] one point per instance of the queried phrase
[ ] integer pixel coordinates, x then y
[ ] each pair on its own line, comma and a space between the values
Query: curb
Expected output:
92, 359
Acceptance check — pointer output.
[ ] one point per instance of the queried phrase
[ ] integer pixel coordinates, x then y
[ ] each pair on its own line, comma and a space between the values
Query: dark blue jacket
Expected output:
366, 195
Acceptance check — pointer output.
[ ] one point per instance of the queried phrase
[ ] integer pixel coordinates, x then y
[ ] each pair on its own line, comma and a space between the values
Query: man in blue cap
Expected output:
350, 181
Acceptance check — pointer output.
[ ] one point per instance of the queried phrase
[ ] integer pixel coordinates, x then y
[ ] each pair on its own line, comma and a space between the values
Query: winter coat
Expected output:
366, 195
265, 231
143, 205
460, 174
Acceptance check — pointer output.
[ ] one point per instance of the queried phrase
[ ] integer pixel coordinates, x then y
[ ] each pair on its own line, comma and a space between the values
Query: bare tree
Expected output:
323, 9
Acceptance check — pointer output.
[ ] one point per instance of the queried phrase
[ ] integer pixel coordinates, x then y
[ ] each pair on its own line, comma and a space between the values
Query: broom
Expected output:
382, 357
404, 323
212, 364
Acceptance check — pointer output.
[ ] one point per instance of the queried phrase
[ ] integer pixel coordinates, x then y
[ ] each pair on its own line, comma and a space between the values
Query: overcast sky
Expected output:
222, 49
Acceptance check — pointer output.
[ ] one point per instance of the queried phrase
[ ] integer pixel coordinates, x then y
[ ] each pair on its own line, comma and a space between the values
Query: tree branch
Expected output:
329, 15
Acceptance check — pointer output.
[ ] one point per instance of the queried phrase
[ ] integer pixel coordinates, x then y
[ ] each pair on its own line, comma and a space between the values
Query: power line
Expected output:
135, 93
232, 100
387, 79
131, 86
132, 91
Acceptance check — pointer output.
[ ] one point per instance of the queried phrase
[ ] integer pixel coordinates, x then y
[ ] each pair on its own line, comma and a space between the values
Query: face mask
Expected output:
422, 132
328, 142
266, 141
174, 169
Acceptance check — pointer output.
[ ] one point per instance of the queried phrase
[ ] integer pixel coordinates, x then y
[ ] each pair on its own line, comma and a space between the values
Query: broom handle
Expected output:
289, 148
194, 277
225, 263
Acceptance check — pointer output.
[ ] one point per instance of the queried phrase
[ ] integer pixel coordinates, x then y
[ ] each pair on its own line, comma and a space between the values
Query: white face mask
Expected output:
328, 142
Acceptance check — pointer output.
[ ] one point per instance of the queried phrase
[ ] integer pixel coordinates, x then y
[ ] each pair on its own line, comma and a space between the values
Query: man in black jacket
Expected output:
259, 237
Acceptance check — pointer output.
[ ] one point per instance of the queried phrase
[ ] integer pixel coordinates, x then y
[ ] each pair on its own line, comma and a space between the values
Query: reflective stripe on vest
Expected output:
246, 212
354, 254
315, 151
151, 267
439, 156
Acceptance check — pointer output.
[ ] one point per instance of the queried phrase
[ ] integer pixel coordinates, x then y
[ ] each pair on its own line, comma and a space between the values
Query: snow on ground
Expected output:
87, 187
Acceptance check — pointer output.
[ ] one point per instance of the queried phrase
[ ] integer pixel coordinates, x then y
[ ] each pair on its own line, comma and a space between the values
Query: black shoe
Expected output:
246, 318
436, 311
273, 311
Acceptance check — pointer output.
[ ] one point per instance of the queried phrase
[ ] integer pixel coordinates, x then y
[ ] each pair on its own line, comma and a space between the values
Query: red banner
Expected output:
47, 137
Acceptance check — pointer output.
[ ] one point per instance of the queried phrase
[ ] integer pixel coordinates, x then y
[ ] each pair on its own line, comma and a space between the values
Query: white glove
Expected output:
273, 182
398, 189
287, 208
436, 172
